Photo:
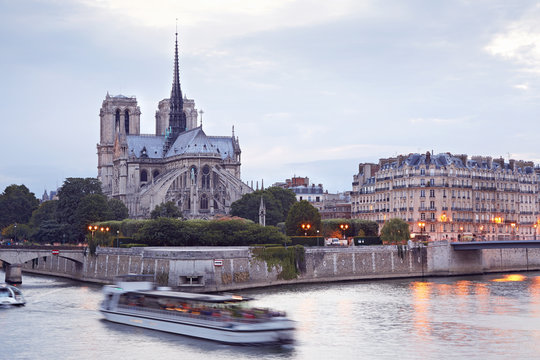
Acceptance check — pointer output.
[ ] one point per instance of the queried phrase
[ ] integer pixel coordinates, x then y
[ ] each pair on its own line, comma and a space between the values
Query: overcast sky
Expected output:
312, 88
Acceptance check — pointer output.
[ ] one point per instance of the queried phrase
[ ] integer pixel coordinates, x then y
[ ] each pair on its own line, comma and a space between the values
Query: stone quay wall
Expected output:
225, 269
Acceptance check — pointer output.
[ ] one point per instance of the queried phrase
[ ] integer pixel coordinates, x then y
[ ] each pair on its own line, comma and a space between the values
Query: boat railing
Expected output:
199, 316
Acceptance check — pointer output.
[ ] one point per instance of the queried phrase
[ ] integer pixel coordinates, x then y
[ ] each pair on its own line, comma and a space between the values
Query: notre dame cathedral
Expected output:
180, 163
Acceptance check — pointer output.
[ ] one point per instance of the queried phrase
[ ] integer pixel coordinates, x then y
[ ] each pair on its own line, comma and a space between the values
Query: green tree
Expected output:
45, 212
48, 232
117, 210
300, 213
395, 231
16, 205
17, 232
277, 202
166, 210
71, 193
92, 208
70, 196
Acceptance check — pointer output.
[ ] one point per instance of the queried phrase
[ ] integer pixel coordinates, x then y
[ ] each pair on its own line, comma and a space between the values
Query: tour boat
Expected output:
10, 295
222, 318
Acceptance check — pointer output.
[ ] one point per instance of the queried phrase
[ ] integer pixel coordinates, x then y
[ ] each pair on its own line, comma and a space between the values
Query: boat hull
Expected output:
270, 332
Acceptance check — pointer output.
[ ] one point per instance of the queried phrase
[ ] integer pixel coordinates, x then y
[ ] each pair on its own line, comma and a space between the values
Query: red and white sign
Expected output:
218, 262
56, 252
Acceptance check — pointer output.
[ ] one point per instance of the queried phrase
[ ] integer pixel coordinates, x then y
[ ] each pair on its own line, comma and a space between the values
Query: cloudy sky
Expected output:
312, 88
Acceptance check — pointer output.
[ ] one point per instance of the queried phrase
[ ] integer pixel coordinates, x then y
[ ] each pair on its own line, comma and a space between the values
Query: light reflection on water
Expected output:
456, 317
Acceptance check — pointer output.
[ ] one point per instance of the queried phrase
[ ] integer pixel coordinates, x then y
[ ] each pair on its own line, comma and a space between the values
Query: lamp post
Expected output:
317, 237
93, 229
117, 240
344, 227
513, 225
422, 226
305, 227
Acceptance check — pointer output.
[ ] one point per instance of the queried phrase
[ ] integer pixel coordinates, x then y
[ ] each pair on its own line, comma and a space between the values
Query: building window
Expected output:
431, 193
432, 228
155, 174
204, 202
206, 177
422, 216
126, 121
422, 193
193, 175
117, 120
144, 176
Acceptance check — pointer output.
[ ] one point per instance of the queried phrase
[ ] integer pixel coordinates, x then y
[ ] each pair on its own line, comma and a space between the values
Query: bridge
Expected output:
14, 256
507, 244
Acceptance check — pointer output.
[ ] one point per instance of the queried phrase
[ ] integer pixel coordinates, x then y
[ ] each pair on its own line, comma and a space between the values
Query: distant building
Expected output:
451, 196
179, 163
330, 206
52, 195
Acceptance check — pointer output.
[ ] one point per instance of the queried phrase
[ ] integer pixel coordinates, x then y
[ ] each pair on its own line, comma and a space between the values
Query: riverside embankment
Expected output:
231, 268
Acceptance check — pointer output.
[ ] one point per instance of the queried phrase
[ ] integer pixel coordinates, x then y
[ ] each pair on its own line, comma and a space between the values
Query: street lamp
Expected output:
305, 227
513, 225
93, 229
117, 236
344, 227
422, 226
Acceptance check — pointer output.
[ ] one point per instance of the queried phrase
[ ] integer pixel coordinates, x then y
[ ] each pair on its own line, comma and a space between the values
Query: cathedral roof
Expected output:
151, 145
195, 141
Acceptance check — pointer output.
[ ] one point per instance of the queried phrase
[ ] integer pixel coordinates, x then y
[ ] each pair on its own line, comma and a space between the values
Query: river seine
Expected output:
477, 317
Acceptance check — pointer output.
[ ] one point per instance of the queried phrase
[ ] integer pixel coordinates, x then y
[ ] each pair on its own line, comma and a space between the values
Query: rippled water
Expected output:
481, 317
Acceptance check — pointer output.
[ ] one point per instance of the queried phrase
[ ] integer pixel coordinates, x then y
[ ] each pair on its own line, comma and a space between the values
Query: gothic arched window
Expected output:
204, 202
117, 120
126, 121
206, 177
144, 176
155, 174
193, 175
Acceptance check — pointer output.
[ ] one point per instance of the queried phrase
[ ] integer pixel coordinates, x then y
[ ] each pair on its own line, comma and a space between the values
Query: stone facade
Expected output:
451, 197
180, 163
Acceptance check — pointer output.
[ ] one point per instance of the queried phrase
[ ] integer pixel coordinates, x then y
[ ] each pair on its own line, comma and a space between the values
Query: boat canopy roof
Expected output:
225, 298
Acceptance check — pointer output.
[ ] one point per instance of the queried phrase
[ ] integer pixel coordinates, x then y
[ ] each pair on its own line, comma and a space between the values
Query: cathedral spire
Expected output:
177, 117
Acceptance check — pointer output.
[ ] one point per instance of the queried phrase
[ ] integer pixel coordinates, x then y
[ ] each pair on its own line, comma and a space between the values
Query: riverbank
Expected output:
212, 269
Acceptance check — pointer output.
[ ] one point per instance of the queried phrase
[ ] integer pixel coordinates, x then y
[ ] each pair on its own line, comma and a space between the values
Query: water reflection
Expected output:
510, 278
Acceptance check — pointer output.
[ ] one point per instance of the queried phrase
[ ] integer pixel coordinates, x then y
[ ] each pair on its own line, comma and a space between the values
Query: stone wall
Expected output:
224, 269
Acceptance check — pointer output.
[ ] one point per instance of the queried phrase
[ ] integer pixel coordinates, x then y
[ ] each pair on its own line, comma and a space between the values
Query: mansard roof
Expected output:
446, 159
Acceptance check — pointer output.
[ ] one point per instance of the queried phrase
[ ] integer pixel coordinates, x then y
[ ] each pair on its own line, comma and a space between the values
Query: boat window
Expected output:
5, 293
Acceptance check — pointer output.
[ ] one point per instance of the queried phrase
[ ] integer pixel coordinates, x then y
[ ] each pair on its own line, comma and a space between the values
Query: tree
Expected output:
70, 196
48, 232
277, 202
16, 205
395, 231
92, 208
45, 212
166, 210
16, 232
71, 193
117, 210
300, 213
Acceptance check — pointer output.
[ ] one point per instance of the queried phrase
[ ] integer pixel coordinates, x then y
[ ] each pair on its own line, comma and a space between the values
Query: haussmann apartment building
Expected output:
450, 197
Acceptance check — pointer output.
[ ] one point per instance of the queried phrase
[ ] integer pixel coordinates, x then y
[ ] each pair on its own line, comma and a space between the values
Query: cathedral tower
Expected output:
118, 115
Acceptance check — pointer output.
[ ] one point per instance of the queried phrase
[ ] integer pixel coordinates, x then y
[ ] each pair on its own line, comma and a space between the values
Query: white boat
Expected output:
10, 295
222, 318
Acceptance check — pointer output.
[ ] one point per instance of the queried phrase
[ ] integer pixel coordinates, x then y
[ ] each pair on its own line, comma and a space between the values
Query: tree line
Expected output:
81, 202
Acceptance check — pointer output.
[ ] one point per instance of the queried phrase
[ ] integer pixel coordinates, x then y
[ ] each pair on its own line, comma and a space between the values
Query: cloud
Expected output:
439, 121
519, 41
215, 20
522, 86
